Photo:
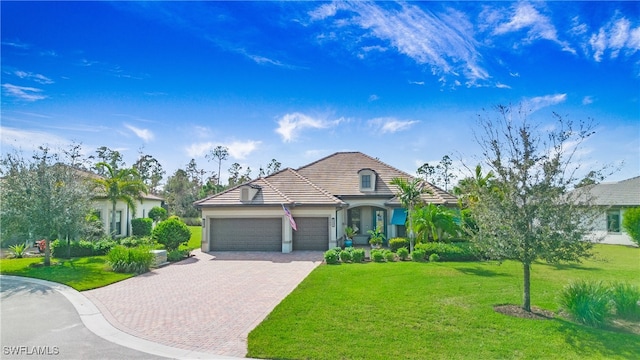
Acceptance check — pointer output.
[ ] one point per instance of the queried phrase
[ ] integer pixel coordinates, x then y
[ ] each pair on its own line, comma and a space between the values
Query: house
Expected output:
343, 189
103, 207
614, 198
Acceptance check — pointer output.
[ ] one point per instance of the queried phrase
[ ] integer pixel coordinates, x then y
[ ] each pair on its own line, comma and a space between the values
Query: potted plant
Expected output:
376, 238
349, 233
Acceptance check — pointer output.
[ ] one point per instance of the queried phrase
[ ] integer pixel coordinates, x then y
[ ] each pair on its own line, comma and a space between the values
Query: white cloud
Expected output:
242, 149
23, 92
391, 125
39, 78
587, 100
536, 103
29, 140
373, 97
290, 125
443, 41
416, 82
145, 134
616, 36
237, 149
538, 26
502, 86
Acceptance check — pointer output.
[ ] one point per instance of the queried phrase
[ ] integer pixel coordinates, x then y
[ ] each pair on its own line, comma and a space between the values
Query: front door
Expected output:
379, 221
365, 218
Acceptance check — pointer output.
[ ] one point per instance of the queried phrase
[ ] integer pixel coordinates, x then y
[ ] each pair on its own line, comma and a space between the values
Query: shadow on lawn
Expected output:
480, 271
605, 343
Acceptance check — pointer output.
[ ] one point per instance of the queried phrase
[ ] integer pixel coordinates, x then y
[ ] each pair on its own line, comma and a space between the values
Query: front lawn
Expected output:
196, 237
80, 273
440, 310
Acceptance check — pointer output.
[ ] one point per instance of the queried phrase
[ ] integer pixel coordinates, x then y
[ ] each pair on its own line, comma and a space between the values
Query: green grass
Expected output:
440, 311
80, 273
196, 237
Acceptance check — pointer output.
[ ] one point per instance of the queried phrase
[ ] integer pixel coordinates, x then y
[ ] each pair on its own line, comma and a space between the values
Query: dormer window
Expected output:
367, 180
248, 192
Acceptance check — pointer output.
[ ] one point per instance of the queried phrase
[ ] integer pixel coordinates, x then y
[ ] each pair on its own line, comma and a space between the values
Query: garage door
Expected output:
246, 234
312, 234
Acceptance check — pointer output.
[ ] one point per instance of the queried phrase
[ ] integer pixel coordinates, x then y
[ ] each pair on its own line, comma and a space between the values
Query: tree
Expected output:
531, 212
468, 188
150, 171
631, 223
427, 171
124, 184
409, 194
180, 192
44, 198
431, 221
111, 157
220, 153
273, 167
235, 176
445, 176
171, 233
157, 213
592, 178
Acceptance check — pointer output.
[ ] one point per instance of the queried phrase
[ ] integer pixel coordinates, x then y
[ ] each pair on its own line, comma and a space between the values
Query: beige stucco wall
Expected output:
104, 206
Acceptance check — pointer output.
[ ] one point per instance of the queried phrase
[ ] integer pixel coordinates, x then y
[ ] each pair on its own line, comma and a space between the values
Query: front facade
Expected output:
614, 199
343, 189
103, 207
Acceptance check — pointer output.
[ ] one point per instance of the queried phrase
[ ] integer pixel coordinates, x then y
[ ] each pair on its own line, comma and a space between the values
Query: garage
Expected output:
246, 234
312, 234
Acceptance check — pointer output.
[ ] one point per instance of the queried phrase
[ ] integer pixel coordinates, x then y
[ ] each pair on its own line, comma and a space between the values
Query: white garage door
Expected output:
255, 234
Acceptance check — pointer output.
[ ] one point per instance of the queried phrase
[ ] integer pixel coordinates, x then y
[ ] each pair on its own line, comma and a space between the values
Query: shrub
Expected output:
377, 255
130, 260
417, 255
586, 301
631, 223
157, 213
397, 243
389, 256
17, 250
131, 242
172, 233
177, 255
61, 249
403, 253
102, 247
460, 251
434, 258
141, 226
625, 300
357, 255
345, 255
331, 256
196, 221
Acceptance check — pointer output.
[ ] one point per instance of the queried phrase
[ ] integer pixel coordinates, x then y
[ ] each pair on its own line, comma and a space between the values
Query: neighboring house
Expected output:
615, 198
343, 189
103, 207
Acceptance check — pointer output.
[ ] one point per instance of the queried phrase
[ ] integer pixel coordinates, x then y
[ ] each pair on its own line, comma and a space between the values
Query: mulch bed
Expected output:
517, 311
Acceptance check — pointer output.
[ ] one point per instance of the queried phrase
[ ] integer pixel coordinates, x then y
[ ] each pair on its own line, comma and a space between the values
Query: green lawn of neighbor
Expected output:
408, 310
80, 273
196, 237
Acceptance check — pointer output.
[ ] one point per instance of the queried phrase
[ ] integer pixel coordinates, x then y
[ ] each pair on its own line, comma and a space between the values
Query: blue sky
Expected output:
297, 81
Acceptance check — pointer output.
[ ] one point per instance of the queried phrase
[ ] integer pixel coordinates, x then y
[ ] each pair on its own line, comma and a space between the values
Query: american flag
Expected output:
291, 221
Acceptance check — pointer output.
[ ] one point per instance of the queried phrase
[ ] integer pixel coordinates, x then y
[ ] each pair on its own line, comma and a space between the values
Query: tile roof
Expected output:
325, 182
621, 193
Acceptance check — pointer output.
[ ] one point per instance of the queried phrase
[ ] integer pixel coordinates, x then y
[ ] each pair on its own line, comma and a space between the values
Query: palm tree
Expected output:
432, 221
468, 189
409, 195
122, 184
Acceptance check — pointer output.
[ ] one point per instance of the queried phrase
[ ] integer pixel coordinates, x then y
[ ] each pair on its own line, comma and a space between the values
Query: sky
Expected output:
404, 82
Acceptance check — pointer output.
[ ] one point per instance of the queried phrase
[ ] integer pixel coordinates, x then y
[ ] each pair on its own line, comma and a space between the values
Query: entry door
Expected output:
379, 220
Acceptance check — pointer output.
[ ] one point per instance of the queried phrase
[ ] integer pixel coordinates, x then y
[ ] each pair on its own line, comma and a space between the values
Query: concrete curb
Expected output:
93, 319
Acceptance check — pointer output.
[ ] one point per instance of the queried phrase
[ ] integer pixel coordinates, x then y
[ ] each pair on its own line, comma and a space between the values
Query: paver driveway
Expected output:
208, 303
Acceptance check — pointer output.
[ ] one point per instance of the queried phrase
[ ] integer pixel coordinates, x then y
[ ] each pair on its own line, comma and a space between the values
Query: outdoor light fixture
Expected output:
333, 222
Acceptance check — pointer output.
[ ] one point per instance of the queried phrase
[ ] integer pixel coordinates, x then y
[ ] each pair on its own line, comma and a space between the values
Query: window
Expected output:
365, 182
613, 221
118, 229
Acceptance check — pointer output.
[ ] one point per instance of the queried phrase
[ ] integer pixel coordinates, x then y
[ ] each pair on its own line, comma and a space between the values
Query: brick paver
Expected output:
207, 303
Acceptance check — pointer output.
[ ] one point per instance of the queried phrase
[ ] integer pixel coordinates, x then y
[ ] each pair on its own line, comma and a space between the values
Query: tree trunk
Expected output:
526, 301
113, 221
47, 252
411, 234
